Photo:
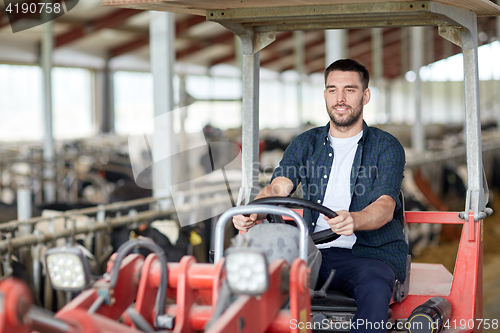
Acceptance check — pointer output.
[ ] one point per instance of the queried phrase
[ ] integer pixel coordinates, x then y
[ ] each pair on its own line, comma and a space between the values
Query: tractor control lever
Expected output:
322, 292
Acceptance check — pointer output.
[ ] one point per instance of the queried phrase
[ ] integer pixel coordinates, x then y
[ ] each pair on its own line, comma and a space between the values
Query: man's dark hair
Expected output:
349, 65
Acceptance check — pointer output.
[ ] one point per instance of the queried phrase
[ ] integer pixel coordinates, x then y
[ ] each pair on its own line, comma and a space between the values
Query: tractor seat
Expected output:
334, 301
338, 301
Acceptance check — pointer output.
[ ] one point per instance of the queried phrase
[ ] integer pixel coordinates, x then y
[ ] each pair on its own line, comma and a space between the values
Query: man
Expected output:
356, 171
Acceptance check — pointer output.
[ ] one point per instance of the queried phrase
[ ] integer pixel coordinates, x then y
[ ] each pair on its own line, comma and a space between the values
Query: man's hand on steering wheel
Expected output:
343, 224
280, 186
244, 223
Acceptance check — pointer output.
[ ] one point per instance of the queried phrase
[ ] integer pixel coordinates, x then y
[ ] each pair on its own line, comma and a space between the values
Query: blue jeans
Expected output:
369, 281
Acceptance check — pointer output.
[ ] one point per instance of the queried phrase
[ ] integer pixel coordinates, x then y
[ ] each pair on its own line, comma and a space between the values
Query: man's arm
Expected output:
285, 179
279, 187
374, 216
386, 188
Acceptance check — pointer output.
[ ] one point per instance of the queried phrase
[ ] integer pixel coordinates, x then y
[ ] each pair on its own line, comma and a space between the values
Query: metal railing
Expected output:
25, 239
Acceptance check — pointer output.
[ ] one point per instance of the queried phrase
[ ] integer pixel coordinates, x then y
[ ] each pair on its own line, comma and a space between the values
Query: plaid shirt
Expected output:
377, 170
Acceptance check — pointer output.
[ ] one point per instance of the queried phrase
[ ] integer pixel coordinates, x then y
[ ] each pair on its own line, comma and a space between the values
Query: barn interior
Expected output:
119, 123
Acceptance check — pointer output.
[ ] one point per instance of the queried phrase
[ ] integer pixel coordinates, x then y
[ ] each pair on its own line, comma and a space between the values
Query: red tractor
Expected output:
246, 291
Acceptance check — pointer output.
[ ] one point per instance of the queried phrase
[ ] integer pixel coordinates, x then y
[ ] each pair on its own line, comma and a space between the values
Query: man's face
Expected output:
345, 98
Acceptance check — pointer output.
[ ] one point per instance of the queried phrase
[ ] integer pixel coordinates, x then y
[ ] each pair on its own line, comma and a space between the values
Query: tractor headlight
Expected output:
67, 268
247, 271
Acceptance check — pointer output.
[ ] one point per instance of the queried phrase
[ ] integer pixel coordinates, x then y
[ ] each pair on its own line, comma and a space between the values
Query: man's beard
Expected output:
349, 119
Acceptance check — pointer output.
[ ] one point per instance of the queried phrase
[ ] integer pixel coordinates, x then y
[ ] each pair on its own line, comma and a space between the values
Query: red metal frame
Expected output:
466, 295
192, 284
124, 294
195, 286
16, 299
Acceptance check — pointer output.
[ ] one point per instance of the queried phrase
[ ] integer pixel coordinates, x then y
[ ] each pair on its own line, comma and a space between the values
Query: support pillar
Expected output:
95, 99
24, 208
107, 114
103, 99
475, 201
417, 57
183, 108
238, 53
23, 214
299, 52
378, 72
430, 48
47, 47
405, 50
250, 123
377, 53
251, 44
448, 50
498, 94
336, 45
162, 38
429, 59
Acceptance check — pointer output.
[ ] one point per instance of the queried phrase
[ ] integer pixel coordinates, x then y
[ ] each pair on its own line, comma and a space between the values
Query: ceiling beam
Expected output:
316, 66
280, 36
198, 45
312, 43
4, 20
181, 27
227, 58
279, 52
359, 48
111, 20
357, 36
392, 60
365, 46
129, 46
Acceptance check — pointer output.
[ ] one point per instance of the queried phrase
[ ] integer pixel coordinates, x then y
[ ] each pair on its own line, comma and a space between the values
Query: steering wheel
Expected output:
319, 237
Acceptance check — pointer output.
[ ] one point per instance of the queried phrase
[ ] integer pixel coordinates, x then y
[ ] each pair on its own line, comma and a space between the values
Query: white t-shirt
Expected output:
338, 190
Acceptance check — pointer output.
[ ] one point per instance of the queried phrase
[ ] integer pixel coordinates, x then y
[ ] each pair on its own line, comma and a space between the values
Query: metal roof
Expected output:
91, 33
200, 7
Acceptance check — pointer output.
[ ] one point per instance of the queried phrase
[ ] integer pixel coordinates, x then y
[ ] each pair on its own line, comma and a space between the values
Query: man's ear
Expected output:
366, 96
324, 94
